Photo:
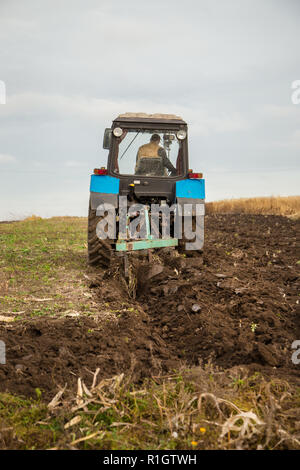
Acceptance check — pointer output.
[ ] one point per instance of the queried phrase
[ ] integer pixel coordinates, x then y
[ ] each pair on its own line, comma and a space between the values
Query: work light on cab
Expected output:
181, 135
117, 132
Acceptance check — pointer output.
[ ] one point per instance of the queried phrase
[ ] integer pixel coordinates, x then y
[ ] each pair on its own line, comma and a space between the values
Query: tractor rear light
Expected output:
100, 171
192, 175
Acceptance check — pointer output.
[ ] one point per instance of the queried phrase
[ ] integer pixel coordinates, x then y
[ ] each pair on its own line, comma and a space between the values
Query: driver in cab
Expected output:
152, 160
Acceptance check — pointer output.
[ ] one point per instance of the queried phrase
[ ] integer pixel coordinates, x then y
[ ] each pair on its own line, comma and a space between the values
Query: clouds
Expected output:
7, 158
36, 106
70, 67
141, 50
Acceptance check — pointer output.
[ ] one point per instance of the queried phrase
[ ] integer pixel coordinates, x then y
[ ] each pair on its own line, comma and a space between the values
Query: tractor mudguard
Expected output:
190, 189
104, 189
191, 192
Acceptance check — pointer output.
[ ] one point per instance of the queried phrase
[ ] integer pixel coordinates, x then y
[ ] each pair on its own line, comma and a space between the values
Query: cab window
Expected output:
148, 153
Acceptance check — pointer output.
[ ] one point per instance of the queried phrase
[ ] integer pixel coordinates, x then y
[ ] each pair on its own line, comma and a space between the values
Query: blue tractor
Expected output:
147, 165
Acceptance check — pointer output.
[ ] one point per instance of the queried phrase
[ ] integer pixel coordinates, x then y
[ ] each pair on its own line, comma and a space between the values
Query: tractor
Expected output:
147, 167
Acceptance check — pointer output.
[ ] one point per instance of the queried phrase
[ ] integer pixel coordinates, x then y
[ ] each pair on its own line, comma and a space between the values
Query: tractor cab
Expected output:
149, 152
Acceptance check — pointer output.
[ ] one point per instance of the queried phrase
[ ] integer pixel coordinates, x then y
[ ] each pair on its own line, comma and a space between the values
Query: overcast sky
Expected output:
71, 66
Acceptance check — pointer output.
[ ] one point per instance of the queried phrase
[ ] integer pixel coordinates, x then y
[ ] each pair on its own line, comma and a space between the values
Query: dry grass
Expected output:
288, 206
201, 408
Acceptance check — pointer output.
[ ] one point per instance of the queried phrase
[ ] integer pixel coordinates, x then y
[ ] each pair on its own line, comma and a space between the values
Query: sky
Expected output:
70, 67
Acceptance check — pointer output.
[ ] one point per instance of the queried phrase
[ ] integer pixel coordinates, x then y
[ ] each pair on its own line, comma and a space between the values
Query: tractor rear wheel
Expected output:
99, 250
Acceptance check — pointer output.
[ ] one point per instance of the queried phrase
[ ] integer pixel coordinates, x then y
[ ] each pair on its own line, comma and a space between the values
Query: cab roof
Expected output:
145, 117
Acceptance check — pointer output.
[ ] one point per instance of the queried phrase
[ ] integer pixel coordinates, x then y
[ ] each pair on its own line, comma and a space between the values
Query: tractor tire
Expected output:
99, 251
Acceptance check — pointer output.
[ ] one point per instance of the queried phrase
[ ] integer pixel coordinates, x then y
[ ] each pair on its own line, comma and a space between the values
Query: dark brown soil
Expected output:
237, 304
